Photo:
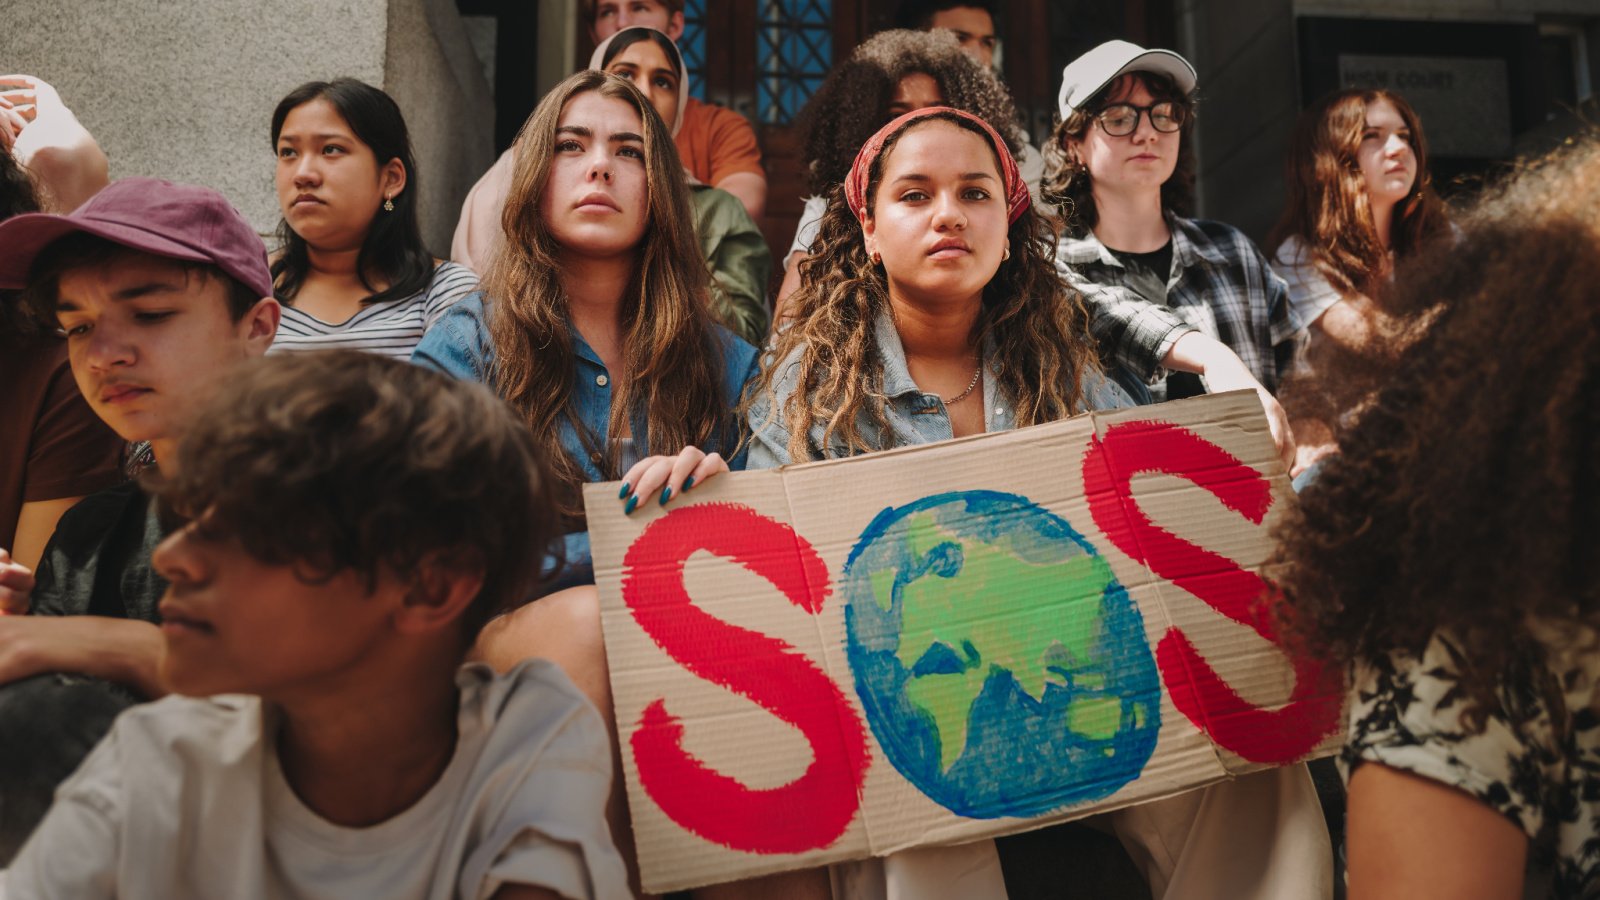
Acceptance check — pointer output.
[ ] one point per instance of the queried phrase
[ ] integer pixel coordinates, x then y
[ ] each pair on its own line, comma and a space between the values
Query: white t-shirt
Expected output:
392, 328
1310, 294
185, 799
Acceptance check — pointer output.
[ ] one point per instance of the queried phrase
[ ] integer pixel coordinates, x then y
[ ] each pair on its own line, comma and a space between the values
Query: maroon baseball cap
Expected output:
178, 221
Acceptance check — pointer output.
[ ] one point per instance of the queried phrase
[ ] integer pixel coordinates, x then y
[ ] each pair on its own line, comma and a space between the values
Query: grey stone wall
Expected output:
1244, 52
185, 90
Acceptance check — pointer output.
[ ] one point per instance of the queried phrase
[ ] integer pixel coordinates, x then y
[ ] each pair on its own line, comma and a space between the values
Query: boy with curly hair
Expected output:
352, 523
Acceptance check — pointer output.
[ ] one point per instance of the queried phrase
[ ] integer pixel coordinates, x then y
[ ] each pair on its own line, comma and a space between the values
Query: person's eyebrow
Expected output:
622, 136
578, 130
131, 292
964, 176
329, 136
145, 289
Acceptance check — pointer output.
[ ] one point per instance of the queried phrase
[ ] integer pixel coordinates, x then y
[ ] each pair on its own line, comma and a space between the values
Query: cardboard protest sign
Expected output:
936, 644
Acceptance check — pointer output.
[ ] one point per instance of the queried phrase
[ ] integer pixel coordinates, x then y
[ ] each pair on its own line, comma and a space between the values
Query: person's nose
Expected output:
175, 559
307, 173
1395, 146
106, 350
1144, 130
600, 168
947, 213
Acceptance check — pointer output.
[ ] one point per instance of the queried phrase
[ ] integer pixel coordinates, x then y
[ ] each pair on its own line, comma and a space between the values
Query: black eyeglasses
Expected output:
1122, 119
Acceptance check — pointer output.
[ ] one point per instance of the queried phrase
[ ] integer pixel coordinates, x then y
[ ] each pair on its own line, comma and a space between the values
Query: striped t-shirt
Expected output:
392, 328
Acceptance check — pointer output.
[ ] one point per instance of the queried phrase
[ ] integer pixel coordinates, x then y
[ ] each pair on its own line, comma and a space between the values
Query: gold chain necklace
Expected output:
970, 385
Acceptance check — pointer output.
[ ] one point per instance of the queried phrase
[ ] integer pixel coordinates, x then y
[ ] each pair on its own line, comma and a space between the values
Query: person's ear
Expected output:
675, 26
392, 178
260, 325
439, 595
869, 238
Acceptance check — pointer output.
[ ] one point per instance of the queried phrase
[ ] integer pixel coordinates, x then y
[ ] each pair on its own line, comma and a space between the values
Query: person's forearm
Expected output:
132, 652
750, 188
1207, 357
126, 651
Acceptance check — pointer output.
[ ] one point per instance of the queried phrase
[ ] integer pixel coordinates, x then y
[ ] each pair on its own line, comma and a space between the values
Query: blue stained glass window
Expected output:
693, 46
794, 49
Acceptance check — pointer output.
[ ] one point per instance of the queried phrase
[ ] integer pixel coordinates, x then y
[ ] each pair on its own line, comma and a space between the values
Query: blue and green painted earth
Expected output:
1002, 667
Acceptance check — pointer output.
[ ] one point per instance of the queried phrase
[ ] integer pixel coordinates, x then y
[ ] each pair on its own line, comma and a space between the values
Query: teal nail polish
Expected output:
632, 502
626, 487
688, 482
666, 494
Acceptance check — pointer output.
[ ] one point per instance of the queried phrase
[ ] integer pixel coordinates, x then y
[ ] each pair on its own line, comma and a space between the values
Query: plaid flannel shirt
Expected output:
1220, 285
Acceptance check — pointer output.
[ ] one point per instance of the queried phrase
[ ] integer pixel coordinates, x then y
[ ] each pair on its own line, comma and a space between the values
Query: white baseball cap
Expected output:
1088, 74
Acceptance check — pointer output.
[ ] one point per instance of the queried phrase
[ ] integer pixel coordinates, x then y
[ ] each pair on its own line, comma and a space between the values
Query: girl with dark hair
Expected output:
1165, 292
1446, 554
1360, 200
892, 73
352, 270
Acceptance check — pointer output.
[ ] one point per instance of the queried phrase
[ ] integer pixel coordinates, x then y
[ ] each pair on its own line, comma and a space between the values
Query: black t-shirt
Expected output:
1148, 274
98, 561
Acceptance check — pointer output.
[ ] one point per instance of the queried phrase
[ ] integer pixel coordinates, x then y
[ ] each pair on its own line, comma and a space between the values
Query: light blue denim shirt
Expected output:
915, 416
459, 345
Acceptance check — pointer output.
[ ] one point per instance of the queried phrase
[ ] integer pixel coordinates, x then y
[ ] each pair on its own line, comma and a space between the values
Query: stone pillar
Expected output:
185, 91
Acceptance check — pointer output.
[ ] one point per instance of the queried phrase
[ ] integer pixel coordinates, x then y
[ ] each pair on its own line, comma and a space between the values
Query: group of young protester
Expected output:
321, 540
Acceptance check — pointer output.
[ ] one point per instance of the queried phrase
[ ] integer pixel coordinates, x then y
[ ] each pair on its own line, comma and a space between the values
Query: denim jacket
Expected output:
915, 416
460, 345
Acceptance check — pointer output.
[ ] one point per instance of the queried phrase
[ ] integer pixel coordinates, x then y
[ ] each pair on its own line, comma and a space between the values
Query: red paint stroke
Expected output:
1258, 734
805, 814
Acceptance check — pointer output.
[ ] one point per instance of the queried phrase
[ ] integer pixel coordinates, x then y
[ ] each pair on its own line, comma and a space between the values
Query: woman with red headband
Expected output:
932, 310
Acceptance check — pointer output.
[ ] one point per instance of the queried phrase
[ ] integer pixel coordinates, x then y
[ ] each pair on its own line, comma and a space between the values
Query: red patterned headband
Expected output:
855, 186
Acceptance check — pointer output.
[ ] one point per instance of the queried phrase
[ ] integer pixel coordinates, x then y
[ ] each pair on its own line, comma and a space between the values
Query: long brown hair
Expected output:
1464, 493
673, 372
1328, 207
1038, 325
1067, 182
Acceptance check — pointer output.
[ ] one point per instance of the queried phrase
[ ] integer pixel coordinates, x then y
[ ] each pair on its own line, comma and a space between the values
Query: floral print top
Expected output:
1536, 761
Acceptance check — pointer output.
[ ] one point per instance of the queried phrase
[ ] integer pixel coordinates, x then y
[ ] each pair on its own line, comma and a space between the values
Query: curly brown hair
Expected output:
1067, 183
853, 103
340, 460
1465, 495
1037, 323
1328, 206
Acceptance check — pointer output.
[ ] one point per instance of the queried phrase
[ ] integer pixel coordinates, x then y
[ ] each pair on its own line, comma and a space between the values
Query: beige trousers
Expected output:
1259, 837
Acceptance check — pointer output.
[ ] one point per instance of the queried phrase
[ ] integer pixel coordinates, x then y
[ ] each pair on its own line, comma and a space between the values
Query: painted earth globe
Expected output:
1003, 669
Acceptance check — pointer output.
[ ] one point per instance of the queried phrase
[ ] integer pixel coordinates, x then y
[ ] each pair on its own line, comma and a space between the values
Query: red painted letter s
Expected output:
816, 808
1257, 734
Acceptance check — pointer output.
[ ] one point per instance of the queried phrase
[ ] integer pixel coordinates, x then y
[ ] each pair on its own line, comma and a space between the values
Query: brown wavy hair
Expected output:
1067, 183
1038, 325
1328, 207
672, 378
338, 460
853, 103
1467, 493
